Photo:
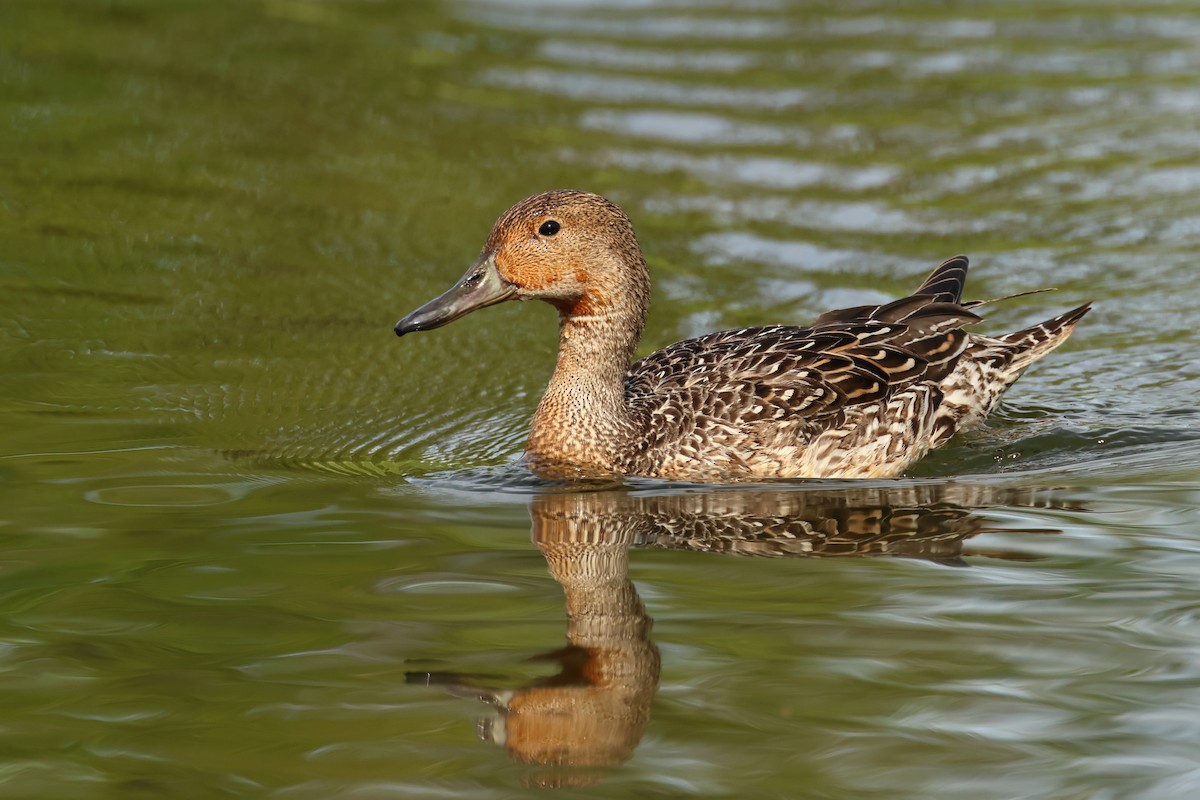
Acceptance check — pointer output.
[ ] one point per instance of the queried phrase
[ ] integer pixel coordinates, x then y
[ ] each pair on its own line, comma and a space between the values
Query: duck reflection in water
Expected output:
590, 716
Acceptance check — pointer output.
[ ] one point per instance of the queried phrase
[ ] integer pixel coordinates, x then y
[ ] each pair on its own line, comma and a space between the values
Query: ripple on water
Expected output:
166, 495
743, 246
612, 55
748, 170
423, 586
865, 216
682, 127
579, 19
594, 87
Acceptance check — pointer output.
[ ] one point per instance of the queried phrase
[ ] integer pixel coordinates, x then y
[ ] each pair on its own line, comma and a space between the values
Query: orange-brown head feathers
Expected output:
573, 249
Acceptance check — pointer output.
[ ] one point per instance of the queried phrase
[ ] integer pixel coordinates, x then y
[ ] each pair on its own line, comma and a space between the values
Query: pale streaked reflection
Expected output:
588, 718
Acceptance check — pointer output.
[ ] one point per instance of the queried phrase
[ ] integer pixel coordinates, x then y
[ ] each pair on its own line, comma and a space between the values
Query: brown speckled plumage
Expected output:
862, 392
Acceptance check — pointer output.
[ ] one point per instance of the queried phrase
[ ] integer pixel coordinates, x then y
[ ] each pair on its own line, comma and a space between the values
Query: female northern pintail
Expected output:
861, 392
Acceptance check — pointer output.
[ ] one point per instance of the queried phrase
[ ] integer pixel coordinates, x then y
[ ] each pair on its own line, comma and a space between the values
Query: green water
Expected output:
252, 545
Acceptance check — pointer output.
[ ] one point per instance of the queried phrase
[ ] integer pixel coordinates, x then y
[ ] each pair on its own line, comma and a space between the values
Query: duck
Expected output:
859, 392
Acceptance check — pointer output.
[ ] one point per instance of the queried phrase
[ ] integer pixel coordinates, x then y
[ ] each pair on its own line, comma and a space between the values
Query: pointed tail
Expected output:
1036, 341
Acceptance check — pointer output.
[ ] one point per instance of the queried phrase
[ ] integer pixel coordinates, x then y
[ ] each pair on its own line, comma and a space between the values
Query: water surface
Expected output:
254, 546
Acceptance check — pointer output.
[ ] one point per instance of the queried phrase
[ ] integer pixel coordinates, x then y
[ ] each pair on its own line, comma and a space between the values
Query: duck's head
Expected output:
572, 249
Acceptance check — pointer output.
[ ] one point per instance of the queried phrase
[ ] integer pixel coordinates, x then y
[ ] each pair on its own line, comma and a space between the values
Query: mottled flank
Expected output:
862, 392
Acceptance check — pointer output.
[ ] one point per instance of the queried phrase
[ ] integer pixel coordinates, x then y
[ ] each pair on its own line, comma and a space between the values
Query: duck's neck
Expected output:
583, 423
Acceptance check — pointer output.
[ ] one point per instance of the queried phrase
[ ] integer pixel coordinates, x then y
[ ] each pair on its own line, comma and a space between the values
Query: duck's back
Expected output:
863, 392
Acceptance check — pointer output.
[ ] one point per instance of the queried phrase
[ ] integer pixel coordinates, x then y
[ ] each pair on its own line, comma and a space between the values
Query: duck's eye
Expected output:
549, 227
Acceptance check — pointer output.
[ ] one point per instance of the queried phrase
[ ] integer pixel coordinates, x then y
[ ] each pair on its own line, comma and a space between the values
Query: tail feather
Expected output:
945, 284
1033, 342
1001, 299
989, 366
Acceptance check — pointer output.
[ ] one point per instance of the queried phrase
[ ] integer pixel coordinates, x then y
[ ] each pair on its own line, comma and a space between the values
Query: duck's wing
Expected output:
792, 375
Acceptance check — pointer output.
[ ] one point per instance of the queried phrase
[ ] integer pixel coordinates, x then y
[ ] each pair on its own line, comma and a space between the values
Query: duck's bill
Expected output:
481, 287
